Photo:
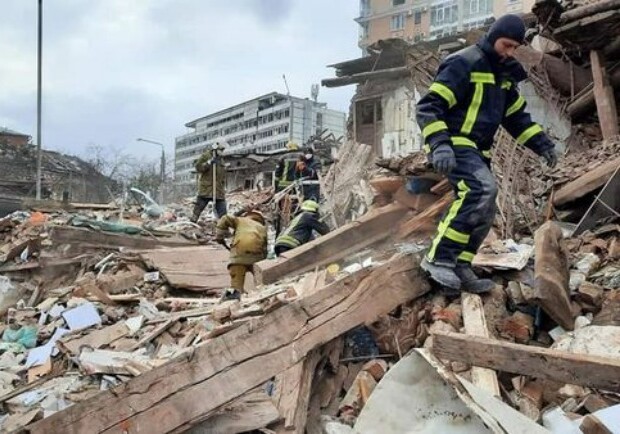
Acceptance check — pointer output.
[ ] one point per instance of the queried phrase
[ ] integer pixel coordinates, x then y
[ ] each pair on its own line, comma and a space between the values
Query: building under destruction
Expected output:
114, 322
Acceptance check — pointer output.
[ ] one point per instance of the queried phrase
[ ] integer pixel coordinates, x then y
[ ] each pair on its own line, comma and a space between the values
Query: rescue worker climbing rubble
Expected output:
286, 168
474, 92
300, 229
308, 167
249, 245
212, 178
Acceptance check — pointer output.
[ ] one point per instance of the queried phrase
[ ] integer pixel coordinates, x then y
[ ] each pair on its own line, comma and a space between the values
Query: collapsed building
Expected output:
123, 332
63, 177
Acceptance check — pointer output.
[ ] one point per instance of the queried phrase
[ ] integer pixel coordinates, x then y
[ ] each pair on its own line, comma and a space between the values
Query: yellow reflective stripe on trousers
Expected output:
427, 148
482, 77
434, 127
487, 153
456, 236
516, 106
506, 84
445, 223
466, 256
474, 107
287, 240
528, 134
445, 92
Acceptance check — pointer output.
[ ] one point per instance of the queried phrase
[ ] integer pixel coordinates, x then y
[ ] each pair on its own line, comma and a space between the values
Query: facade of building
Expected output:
13, 138
262, 125
419, 20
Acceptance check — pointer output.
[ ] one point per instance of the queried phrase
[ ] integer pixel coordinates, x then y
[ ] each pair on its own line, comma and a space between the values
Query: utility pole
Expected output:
162, 168
292, 110
39, 83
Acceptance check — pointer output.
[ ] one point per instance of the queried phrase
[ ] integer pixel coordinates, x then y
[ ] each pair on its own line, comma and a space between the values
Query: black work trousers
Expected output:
201, 204
469, 219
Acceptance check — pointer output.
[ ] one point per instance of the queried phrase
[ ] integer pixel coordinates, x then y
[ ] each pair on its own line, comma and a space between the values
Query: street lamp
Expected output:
163, 163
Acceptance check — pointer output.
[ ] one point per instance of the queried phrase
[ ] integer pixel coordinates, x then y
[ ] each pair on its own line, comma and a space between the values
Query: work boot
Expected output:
230, 294
444, 276
472, 283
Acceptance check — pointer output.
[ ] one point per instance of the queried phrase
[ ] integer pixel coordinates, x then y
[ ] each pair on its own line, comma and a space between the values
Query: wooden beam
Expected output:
88, 237
584, 370
425, 219
584, 103
250, 412
604, 95
551, 277
586, 183
588, 10
476, 325
382, 74
369, 229
226, 367
293, 392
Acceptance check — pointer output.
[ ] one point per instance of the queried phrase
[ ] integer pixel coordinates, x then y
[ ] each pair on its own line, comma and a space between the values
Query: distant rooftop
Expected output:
8, 132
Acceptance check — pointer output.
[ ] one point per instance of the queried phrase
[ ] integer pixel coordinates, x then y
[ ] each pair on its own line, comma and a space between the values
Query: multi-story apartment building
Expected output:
261, 125
417, 20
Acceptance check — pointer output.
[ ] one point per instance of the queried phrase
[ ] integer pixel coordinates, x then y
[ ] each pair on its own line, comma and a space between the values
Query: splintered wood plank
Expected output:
476, 325
94, 339
89, 237
201, 268
584, 370
334, 246
196, 384
249, 412
586, 183
293, 395
426, 219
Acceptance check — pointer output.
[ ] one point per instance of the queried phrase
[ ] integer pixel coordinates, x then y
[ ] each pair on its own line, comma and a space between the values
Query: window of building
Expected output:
398, 2
398, 22
444, 13
417, 38
474, 6
417, 17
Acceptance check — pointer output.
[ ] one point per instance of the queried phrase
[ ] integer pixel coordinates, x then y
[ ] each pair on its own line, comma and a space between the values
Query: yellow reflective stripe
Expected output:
486, 153
457, 236
463, 141
516, 106
427, 148
506, 84
284, 183
528, 134
434, 127
445, 223
466, 256
482, 77
445, 92
287, 240
474, 107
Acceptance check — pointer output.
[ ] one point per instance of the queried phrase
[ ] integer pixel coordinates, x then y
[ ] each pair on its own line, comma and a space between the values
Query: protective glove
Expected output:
443, 158
550, 157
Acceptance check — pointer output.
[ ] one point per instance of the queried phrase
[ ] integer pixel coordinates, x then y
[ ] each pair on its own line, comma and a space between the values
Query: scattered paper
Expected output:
56, 310
134, 324
151, 277
83, 316
40, 355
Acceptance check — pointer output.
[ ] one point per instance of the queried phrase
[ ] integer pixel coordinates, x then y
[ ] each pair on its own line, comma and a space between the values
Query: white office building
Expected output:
261, 125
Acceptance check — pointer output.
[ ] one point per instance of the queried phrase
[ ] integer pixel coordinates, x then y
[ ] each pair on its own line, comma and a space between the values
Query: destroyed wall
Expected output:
60, 173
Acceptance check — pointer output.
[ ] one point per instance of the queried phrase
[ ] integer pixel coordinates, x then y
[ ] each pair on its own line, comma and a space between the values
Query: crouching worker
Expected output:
299, 231
249, 245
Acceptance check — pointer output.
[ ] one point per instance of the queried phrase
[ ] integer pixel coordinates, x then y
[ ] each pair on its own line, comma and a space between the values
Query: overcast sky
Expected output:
115, 70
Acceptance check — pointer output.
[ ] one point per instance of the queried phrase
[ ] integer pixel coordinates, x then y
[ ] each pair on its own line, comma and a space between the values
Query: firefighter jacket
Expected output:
472, 95
312, 169
204, 166
285, 172
299, 231
249, 243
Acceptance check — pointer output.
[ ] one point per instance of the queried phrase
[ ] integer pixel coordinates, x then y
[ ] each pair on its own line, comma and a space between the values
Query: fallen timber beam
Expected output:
586, 183
584, 370
398, 72
369, 229
592, 9
88, 237
191, 387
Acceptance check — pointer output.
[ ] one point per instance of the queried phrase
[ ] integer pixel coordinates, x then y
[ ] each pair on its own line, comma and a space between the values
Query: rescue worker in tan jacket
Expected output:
249, 246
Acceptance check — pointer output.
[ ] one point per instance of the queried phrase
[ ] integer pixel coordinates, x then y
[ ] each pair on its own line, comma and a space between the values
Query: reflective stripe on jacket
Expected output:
299, 231
468, 101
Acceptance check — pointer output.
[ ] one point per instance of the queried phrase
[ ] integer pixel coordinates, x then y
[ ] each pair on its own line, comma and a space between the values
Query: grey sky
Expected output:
115, 70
